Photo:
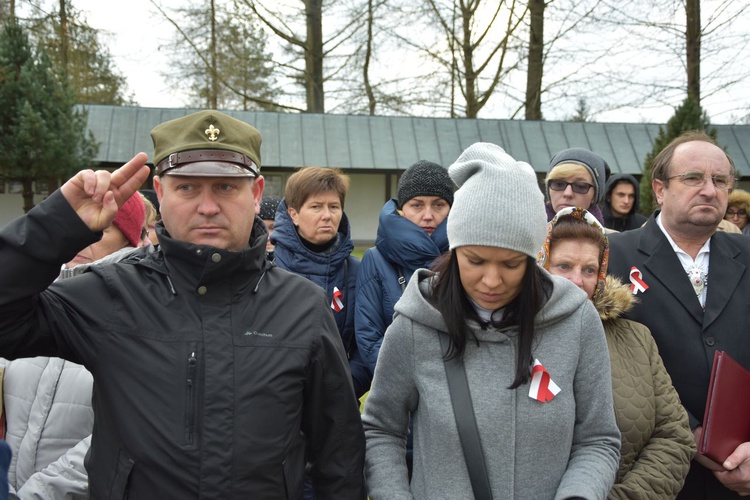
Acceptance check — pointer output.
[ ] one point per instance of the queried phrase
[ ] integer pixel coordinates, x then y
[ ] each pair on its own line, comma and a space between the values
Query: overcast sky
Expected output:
134, 31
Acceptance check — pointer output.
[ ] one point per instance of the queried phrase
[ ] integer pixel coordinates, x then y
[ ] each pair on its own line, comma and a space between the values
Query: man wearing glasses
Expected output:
693, 285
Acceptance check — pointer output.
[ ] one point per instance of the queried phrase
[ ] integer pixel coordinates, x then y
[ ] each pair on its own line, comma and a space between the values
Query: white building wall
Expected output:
11, 206
363, 204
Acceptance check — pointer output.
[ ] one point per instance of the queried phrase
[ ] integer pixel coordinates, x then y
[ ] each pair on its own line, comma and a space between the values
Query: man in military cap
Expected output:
214, 371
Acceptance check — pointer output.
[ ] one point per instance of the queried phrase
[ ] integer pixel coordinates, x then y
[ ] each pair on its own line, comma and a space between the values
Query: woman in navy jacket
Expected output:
312, 238
411, 234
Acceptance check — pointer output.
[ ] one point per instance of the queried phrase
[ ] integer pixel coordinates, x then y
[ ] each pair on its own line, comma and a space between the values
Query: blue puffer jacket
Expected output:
400, 244
335, 268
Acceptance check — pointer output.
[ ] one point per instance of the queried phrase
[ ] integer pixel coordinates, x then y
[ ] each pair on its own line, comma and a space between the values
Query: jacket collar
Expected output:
664, 265
615, 300
198, 263
725, 271
404, 243
291, 253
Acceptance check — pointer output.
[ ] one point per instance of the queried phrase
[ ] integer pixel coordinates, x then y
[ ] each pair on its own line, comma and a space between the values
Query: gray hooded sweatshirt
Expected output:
565, 448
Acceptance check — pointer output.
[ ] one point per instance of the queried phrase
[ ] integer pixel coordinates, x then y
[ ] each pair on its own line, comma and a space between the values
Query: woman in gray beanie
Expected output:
531, 346
576, 178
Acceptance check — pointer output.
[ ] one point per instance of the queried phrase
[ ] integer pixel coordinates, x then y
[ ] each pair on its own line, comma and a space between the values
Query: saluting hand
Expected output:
96, 196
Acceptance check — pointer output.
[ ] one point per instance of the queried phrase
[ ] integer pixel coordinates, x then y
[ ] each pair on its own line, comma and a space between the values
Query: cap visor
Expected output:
210, 169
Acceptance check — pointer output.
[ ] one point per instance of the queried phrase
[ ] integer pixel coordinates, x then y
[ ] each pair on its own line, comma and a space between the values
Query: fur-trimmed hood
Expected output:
740, 198
616, 299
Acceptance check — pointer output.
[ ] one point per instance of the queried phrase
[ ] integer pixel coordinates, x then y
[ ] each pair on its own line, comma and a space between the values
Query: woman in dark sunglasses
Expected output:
576, 178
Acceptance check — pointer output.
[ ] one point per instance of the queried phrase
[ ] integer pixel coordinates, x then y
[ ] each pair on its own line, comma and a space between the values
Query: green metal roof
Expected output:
393, 143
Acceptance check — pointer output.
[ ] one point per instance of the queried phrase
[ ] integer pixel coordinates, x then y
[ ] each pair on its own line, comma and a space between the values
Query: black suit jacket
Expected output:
688, 336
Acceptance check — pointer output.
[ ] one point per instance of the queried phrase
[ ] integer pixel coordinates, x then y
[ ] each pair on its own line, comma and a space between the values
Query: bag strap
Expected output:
349, 348
468, 433
2, 404
401, 279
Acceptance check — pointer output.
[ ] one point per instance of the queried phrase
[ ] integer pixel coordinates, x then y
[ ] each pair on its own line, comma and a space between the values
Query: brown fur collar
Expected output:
616, 299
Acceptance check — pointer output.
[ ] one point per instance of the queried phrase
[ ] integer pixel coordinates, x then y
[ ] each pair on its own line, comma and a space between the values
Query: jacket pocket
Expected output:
119, 489
191, 396
293, 467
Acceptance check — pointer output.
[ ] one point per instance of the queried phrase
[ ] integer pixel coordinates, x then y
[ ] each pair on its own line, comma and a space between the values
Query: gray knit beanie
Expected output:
592, 161
425, 178
498, 202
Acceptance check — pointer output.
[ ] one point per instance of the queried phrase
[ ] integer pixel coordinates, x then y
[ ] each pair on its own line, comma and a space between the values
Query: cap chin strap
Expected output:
176, 159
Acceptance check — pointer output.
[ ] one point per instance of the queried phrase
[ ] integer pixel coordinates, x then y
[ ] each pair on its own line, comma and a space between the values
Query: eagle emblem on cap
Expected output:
212, 133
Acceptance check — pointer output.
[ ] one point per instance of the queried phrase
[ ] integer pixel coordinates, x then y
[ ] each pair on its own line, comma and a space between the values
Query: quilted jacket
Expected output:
657, 444
49, 418
48, 410
400, 244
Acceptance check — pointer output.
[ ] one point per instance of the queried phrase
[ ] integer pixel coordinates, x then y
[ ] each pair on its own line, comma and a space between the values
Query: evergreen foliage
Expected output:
90, 69
582, 112
43, 136
688, 116
77, 51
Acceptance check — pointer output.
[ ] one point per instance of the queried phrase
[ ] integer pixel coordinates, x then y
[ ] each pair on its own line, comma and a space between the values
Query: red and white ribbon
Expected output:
542, 387
636, 281
337, 303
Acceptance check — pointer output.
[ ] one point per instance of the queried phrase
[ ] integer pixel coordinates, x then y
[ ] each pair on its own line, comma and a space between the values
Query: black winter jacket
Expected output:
213, 370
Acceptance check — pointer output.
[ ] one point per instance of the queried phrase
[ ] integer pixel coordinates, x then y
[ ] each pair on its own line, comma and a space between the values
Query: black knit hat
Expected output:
268, 207
425, 178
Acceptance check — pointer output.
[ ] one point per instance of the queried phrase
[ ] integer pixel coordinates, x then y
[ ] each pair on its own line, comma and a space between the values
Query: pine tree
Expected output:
90, 67
582, 113
245, 63
688, 116
43, 137
77, 50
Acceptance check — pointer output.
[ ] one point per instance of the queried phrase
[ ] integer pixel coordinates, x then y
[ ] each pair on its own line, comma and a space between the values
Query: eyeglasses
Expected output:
561, 185
696, 179
732, 213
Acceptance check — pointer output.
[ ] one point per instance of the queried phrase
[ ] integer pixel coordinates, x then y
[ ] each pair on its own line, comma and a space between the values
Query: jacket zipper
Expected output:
192, 364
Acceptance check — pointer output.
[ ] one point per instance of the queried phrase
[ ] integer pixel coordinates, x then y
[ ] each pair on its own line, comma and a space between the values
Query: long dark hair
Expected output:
454, 305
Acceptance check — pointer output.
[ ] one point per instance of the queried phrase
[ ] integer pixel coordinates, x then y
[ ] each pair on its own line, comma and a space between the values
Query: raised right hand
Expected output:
96, 196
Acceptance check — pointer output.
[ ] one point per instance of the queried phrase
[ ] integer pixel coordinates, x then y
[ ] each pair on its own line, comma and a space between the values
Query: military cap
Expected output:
206, 144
